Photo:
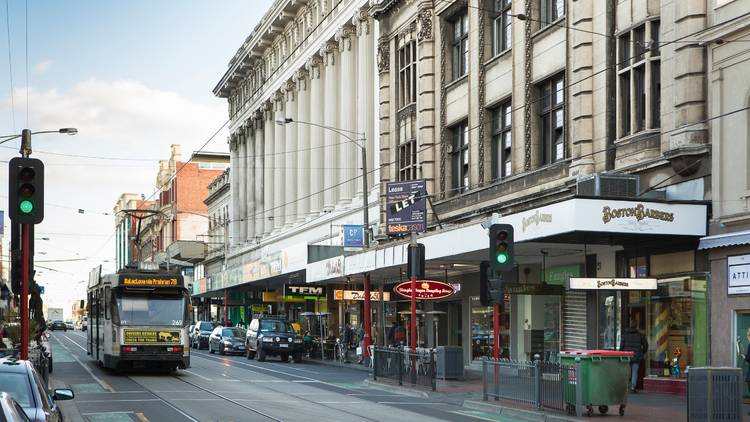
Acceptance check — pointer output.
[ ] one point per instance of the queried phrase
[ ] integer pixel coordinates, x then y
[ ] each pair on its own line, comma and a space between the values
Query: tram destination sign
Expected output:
406, 207
146, 281
152, 336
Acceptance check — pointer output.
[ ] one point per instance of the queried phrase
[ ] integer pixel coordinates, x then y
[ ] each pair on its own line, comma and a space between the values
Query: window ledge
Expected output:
540, 33
497, 56
457, 81
638, 135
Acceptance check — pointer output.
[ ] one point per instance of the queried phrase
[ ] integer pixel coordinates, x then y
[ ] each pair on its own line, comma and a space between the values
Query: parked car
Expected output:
58, 325
10, 410
69, 325
19, 379
201, 333
227, 340
273, 336
84, 323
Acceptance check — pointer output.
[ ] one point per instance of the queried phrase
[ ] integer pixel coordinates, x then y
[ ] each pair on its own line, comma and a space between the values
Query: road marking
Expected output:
295, 368
197, 375
112, 401
305, 381
341, 402
410, 402
101, 382
76, 343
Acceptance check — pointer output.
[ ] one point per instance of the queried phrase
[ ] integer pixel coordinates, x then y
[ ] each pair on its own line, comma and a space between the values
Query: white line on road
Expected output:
197, 375
110, 400
414, 403
76, 343
101, 382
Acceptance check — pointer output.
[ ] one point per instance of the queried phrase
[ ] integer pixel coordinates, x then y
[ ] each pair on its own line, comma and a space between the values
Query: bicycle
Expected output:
340, 352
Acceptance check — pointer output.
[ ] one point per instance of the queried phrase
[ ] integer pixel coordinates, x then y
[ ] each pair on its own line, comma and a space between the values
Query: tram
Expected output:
138, 319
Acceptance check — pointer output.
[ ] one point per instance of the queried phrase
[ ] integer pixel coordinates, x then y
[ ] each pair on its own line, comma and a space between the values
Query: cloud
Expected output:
115, 118
42, 67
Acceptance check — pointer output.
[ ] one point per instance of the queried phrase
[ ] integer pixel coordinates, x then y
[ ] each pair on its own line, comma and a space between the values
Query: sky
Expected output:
133, 76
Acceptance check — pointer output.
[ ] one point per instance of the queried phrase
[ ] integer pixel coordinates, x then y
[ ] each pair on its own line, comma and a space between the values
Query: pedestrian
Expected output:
391, 334
634, 341
746, 358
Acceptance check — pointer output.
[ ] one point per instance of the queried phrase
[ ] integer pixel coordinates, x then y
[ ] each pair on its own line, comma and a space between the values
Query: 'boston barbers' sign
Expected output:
612, 283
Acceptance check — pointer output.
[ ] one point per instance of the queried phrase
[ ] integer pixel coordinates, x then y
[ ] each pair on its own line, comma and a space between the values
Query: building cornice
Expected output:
723, 30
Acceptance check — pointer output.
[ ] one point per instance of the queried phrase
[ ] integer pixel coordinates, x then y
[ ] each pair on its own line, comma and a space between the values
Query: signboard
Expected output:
152, 336
304, 292
2, 223
738, 274
149, 281
426, 289
559, 275
360, 295
613, 283
325, 269
278, 297
406, 207
354, 236
533, 289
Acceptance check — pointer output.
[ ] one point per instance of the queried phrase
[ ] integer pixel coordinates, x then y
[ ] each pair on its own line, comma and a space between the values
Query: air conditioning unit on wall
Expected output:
609, 185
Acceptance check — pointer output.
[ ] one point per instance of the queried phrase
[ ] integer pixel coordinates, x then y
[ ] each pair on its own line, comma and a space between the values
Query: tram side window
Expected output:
107, 292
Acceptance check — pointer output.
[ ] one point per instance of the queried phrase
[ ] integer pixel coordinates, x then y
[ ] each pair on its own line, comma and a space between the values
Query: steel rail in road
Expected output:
256, 368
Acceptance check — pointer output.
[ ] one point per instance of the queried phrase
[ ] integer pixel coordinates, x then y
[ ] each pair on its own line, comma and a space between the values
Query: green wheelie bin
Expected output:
604, 376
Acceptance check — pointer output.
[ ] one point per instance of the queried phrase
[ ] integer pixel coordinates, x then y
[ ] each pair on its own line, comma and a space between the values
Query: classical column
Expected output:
234, 168
316, 163
242, 182
268, 166
260, 181
250, 181
331, 118
366, 90
303, 145
278, 163
290, 171
348, 152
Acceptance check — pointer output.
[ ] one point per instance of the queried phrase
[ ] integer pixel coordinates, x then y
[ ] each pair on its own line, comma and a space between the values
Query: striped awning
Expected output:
724, 240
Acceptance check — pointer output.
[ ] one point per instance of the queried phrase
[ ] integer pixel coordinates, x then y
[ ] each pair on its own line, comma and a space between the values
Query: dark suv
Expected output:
201, 333
273, 336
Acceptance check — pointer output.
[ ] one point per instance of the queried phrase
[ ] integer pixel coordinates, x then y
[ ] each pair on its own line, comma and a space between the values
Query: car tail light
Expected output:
129, 349
174, 349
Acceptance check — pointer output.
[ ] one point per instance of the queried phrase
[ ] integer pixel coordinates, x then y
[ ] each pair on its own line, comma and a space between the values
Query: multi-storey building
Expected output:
727, 55
301, 95
126, 227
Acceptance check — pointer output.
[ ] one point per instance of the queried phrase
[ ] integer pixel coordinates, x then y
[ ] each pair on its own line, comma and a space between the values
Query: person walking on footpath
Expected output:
746, 358
634, 341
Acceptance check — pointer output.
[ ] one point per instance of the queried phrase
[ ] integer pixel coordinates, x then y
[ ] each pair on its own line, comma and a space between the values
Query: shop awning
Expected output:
724, 240
589, 215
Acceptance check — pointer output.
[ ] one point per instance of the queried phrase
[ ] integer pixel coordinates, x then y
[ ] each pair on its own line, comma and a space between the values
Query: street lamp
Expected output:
25, 136
361, 142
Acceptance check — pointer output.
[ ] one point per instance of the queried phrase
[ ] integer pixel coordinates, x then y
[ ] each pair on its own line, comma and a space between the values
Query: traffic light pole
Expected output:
25, 255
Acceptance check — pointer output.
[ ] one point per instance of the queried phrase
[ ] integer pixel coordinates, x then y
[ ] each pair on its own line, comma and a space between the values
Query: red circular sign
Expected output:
426, 289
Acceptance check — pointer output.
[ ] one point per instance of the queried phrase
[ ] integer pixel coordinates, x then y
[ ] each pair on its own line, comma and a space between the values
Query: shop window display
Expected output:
482, 335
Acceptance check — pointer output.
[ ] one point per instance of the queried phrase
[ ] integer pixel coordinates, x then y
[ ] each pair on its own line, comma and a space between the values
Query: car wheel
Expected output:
285, 358
297, 356
261, 355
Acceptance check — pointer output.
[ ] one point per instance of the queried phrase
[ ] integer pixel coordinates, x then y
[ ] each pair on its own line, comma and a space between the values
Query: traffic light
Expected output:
484, 284
415, 261
26, 190
501, 248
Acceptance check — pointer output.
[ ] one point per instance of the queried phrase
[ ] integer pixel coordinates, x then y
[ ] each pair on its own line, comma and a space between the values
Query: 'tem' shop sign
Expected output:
426, 289
612, 283
304, 292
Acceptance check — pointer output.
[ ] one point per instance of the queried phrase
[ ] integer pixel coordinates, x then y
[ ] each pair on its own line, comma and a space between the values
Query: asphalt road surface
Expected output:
232, 388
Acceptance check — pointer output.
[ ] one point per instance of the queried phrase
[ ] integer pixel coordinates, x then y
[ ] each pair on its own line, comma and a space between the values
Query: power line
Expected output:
10, 68
27, 62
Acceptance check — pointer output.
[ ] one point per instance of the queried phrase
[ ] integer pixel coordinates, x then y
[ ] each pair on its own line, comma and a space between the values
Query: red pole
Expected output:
496, 330
25, 292
226, 309
368, 325
413, 313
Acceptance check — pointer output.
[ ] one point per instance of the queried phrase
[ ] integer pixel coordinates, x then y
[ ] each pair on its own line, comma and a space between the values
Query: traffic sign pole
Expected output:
25, 253
414, 298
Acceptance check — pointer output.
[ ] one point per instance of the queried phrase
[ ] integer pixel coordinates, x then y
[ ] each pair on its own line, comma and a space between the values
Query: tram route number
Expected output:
152, 336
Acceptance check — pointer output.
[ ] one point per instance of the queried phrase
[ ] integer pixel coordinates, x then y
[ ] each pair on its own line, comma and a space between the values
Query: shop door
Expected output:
449, 325
742, 325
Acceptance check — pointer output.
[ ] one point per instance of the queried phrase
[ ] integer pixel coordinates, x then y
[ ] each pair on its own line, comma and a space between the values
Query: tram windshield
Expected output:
150, 309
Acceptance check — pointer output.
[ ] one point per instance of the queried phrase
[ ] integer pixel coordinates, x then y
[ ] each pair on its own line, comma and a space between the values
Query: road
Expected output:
231, 388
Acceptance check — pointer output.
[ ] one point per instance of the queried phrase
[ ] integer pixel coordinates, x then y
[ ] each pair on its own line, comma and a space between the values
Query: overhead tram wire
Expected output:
10, 67
27, 62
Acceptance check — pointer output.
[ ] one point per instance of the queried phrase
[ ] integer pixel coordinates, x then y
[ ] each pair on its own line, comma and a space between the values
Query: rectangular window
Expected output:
639, 85
407, 74
460, 157
552, 119
407, 153
502, 29
550, 11
460, 47
502, 140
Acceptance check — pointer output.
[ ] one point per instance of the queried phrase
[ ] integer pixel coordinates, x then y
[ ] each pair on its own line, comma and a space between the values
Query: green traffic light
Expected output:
502, 258
26, 206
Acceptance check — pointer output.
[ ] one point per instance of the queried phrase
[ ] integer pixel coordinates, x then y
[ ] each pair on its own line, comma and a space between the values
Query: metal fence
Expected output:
540, 384
405, 366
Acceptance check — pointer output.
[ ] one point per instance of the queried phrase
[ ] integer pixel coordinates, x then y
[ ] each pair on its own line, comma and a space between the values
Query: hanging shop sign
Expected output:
738, 274
304, 292
426, 289
275, 297
406, 207
354, 235
360, 295
612, 283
